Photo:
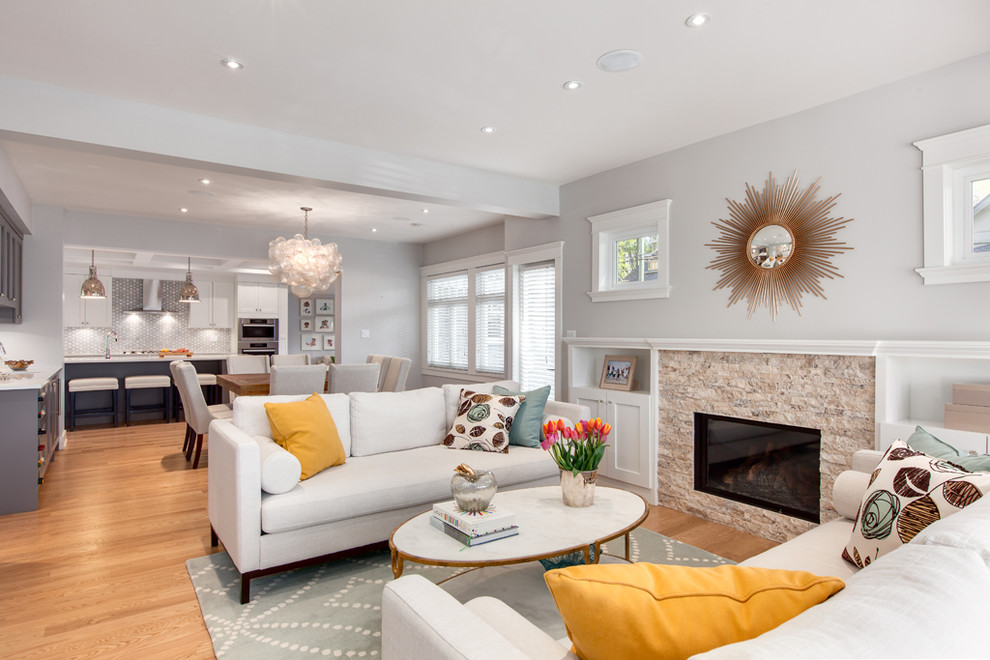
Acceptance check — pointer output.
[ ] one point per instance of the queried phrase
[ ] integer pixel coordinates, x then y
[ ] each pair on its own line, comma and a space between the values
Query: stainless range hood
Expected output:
151, 291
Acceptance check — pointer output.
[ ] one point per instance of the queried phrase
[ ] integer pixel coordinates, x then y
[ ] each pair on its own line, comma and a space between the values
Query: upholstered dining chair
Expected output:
198, 414
392, 373
347, 378
247, 364
295, 359
298, 379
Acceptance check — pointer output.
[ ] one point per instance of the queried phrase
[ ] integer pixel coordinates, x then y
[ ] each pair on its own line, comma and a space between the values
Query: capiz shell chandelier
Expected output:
302, 263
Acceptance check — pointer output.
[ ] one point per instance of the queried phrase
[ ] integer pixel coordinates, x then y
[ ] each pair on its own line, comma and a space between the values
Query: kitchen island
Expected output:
29, 408
120, 366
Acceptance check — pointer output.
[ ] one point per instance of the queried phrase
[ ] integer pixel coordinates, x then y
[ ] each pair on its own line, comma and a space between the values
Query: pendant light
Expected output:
189, 293
92, 288
303, 264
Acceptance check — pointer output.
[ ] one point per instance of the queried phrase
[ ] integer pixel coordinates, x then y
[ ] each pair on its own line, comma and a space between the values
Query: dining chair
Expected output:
393, 372
198, 414
347, 378
295, 359
247, 364
298, 379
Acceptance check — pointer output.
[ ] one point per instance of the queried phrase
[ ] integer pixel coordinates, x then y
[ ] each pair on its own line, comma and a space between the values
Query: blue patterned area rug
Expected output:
334, 609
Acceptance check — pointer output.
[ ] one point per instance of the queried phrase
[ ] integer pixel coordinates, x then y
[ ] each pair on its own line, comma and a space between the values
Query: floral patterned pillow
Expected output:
908, 491
483, 421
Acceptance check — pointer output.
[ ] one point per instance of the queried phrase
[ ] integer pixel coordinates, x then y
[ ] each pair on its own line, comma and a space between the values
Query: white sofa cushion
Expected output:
280, 470
917, 601
250, 415
817, 551
452, 395
848, 491
393, 421
393, 480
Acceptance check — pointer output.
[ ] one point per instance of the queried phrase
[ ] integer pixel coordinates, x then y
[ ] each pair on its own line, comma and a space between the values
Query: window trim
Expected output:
606, 228
946, 161
468, 266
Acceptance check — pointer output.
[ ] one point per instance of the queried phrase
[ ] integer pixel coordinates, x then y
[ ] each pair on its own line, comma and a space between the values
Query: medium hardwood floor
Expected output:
99, 570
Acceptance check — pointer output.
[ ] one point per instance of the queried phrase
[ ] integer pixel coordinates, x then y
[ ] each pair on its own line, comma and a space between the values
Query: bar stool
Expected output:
147, 383
77, 385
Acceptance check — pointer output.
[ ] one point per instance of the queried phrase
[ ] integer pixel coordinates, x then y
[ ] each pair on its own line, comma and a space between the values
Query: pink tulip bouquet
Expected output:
578, 449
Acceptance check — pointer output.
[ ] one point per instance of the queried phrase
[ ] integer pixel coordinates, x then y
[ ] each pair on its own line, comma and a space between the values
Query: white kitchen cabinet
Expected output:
215, 309
628, 457
257, 299
78, 312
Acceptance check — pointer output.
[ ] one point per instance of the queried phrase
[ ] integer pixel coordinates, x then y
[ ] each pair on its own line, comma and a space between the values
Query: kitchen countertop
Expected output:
30, 379
77, 359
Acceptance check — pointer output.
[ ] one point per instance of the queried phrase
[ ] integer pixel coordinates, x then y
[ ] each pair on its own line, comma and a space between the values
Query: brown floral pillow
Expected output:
908, 491
483, 421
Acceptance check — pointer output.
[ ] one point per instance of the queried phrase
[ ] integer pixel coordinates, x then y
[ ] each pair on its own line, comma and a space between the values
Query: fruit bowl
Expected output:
18, 365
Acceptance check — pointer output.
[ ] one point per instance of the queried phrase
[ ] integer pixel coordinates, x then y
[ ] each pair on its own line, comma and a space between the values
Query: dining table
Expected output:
247, 384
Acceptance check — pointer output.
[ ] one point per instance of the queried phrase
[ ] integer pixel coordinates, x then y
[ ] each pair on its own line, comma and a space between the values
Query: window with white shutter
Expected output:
464, 328
536, 339
489, 319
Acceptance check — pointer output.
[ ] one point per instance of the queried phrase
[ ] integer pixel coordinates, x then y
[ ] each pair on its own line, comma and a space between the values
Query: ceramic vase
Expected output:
474, 492
578, 491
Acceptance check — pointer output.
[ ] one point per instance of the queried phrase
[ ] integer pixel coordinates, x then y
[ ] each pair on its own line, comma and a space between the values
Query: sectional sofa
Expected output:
396, 468
928, 598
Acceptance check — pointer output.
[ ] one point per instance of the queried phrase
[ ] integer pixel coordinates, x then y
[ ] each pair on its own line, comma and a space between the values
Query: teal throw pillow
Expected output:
527, 427
923, 441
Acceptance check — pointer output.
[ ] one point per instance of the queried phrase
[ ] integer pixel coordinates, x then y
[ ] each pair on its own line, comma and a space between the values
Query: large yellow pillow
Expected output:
619, 611
306, 430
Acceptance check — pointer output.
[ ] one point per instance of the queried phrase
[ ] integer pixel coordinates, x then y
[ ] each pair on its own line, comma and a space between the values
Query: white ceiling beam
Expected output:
163, 135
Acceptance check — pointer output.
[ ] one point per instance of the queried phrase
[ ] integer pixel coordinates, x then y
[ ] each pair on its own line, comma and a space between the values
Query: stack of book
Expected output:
474, 528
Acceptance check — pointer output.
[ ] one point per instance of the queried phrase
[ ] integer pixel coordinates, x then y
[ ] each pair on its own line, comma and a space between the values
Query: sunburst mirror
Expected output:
777, 245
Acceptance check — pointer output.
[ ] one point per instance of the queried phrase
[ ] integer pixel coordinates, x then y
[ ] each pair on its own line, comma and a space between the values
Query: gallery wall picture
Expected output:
618, 372
306, 325
324, 306
310, 341
328, 342
305, 307
324, 324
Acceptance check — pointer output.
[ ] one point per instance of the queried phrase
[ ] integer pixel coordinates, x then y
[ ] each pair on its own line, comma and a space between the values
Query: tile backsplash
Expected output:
147, 332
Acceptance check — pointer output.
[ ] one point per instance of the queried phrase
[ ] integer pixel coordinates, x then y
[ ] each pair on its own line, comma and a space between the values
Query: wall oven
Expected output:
258, 330
257, 347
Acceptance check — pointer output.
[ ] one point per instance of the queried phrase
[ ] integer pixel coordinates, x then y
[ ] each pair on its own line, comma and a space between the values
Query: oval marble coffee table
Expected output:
547, 529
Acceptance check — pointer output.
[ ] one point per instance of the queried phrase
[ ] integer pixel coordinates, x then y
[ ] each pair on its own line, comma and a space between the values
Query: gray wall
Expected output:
859, 146
471, 244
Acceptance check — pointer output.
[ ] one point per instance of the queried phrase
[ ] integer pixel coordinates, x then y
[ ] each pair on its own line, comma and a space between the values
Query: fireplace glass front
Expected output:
773, 466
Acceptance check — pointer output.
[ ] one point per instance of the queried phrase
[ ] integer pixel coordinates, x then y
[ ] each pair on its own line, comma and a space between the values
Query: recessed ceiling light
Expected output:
487, 130
617, 61
184, 210
205, 182
571, 85
426, 210
374, 229
697, 20
232, 64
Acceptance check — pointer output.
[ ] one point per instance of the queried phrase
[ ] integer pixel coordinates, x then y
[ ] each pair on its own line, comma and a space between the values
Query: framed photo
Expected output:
324, 306
618, 372
306, 325
328, 342
310, 341
324, 324
305, 307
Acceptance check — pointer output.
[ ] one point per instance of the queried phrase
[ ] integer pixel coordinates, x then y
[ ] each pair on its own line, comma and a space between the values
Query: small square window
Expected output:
630, 253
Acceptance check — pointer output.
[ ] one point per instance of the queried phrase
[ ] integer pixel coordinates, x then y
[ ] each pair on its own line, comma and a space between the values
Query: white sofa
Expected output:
396, 468
928, 598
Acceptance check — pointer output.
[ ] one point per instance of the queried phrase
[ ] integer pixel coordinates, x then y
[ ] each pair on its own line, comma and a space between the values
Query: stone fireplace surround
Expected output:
834, 393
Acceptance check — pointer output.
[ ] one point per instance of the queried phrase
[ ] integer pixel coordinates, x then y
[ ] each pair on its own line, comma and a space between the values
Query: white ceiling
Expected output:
421, 78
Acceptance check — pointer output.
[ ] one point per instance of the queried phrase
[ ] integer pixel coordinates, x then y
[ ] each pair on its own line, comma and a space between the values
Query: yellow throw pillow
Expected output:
618, 611
306, 430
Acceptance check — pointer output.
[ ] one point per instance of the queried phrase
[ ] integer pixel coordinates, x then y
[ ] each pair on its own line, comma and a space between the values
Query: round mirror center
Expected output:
770, 246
